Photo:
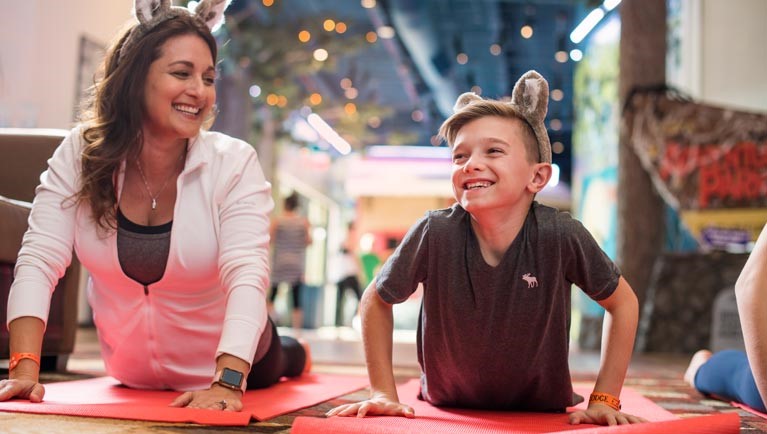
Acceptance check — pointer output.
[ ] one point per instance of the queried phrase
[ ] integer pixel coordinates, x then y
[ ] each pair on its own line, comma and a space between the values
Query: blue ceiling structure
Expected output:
419, 69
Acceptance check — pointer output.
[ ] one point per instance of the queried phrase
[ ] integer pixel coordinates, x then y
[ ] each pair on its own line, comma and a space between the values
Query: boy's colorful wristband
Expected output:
606, 399
17, 357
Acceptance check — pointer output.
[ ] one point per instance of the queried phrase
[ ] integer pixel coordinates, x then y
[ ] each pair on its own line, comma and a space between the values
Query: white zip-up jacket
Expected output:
212, 297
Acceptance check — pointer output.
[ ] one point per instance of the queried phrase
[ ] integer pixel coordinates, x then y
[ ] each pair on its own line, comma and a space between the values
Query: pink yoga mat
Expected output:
104, 397
433, 420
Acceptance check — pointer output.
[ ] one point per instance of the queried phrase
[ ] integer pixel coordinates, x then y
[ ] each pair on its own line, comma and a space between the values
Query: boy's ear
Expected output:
541, 176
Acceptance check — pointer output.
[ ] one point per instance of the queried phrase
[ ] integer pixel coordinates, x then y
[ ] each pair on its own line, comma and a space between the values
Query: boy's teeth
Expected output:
473, 185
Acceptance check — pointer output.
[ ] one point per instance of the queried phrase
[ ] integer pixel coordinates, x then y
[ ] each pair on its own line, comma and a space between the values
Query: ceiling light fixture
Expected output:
592, 19
386, 32
329, 134
374, 122
526, 31
610, 4
320, 54
587, 25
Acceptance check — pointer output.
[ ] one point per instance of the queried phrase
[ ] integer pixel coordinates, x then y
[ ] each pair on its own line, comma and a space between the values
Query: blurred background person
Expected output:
347, 269
290, 236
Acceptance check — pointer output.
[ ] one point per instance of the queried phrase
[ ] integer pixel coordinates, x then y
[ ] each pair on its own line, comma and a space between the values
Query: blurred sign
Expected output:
708, 163
725, 237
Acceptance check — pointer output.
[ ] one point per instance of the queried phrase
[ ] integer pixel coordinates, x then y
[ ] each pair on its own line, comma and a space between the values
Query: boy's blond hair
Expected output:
529, 102
486, 108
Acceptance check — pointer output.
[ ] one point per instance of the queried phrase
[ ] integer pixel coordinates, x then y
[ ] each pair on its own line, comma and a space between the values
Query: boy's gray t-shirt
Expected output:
496, 337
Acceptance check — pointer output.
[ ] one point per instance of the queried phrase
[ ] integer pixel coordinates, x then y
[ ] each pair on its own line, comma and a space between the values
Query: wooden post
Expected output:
641, 218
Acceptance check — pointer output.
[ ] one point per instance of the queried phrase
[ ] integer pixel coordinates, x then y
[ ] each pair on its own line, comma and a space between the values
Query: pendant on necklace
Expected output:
154, 204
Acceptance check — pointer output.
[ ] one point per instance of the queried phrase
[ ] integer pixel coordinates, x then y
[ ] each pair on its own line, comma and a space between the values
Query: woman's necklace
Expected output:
146, 184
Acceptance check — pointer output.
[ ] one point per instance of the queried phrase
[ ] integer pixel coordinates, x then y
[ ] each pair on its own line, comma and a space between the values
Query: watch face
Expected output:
230, 376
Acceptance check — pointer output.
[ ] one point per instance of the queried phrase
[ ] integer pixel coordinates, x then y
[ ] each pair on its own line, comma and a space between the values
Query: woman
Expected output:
732, 374
170, 220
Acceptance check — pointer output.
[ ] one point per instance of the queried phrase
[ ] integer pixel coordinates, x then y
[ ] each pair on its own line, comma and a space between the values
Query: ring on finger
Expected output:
222, 404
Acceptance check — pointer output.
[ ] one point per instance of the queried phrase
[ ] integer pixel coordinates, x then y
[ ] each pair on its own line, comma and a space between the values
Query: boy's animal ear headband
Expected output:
150, 13
530, 100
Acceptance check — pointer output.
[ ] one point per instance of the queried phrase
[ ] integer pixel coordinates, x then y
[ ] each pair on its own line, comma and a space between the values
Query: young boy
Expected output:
497, 269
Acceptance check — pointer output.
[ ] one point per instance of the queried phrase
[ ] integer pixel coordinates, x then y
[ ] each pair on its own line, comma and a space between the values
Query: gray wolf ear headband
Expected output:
150, 13
530, 100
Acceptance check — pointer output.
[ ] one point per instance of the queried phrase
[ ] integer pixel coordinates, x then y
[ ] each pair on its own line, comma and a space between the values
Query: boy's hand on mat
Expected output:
599, 414
215, 398
24, 389
377, 405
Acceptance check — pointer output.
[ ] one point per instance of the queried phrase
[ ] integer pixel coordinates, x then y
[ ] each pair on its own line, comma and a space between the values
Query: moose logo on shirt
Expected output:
532, 281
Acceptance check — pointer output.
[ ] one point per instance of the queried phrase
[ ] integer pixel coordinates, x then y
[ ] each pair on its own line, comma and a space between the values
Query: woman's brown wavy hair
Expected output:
115, 110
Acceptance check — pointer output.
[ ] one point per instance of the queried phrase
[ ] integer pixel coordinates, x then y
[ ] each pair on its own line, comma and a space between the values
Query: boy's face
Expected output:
490, 164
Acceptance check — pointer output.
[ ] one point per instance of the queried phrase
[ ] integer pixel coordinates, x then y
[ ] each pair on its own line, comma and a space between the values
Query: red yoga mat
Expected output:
433, 420
104, 397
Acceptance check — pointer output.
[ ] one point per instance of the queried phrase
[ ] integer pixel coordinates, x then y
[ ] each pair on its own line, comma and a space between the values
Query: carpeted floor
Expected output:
676, 396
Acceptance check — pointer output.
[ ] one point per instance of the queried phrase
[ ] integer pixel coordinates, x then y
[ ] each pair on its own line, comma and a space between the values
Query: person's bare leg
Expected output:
698, 359
298, 319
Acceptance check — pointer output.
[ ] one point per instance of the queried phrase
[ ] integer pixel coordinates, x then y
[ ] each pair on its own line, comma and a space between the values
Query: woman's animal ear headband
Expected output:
530, 100
150, 13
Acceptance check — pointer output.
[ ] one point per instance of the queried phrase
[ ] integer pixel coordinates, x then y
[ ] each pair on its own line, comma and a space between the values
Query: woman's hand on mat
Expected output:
215, 398
599, 414
20, 388
377, 405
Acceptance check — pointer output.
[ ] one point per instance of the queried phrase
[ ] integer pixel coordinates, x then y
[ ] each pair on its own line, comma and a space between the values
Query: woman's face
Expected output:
179, 92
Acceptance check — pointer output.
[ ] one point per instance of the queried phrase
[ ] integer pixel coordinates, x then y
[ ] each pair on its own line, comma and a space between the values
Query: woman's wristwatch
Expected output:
231, 379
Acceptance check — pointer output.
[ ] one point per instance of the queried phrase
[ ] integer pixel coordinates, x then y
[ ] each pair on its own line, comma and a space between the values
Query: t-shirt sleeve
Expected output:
586, 264
406, 267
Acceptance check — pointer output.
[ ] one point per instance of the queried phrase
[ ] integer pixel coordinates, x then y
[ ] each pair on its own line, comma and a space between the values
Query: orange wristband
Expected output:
17, 357
606, 399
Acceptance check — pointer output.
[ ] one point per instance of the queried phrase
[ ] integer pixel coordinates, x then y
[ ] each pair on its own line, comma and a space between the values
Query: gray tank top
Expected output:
142, 250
